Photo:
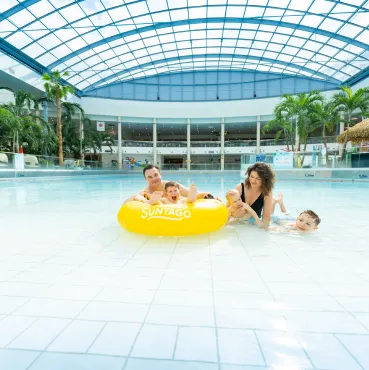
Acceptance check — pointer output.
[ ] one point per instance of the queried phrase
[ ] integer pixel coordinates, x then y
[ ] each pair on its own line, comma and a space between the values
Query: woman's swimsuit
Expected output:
258, 205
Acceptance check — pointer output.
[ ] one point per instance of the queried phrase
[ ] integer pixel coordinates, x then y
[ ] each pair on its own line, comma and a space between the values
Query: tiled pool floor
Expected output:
78, 292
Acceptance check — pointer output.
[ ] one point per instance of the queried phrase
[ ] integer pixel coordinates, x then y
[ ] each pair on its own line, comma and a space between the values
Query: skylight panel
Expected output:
331, 25
300, 5
273, 13
72, 13
34, 50
54, 21
108, 31
144, 60
284, 58
181, 36
311, 45
107, 54
101, 19
199, 43
349, 30
92, 37
157, 5
250, 35
131, 63
66, 34
296, 41
46, 59
260, 45
270, 55
242, 51
305, 54
101, 48
198, 34
216, 11
6, 28
136, 45
229, 43
158, 56
312, 20
235, 11
7, 4
140, 53
257, 53
253, 11
341, 76
113, 62
321, 6
19, 40
290, 50
61, 51
264, 36
363, 37
76, 44
91, 7
21, 18
345, 56
177, 3
169, 46
161, 17
83, 26
119, 14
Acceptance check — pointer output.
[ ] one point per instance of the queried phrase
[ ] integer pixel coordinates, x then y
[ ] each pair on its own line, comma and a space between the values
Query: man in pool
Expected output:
307, 221
155, 186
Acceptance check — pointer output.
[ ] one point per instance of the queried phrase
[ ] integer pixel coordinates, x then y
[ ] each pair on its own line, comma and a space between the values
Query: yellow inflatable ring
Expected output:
203, 216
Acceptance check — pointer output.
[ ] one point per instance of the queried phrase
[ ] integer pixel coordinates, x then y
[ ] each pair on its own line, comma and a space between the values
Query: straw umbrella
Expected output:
355, 134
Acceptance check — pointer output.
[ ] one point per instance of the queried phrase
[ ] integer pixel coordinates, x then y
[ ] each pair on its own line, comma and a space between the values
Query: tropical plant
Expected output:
284, 127
347, 101
328, 117
9, 128
22, 109
56, 91
298, 109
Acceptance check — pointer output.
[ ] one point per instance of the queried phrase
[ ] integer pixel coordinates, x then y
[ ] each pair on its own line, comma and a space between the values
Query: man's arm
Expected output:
139, 197
183, 190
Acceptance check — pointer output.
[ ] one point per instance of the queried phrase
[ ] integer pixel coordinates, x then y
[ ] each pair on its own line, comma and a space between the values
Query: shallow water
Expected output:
79, 292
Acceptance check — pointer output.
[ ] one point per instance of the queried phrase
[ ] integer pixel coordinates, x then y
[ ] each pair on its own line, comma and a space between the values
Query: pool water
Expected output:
79, 292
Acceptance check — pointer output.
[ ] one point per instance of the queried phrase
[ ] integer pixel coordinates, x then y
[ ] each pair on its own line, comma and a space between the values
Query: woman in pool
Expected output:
256, 190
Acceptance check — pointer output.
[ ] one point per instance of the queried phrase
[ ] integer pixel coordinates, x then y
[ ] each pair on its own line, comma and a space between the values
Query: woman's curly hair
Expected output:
266, 175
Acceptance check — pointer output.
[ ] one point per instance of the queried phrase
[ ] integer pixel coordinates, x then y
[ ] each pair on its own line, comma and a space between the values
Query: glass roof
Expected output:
100, 42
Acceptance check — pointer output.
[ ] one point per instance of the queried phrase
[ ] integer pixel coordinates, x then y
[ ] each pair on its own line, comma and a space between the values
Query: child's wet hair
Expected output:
232, 193
313, 215
170, 184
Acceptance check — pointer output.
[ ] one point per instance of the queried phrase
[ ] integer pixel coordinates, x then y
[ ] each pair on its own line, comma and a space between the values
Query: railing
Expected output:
217, 144
8, 160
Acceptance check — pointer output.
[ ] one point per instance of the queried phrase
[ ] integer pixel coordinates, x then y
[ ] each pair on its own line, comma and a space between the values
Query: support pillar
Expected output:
222, 144
188, 161
81, 138
120, 156
154, 142
46, 118
258, 135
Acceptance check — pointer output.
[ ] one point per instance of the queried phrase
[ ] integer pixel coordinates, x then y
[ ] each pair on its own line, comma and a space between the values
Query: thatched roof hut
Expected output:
356, 134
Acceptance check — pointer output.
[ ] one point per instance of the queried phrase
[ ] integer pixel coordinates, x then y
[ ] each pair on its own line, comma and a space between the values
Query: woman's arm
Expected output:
267, 210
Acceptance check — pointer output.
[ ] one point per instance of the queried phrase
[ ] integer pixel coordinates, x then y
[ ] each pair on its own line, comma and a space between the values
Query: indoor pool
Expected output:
79, 292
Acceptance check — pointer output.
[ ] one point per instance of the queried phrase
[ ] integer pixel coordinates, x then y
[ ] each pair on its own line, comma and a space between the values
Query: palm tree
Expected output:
347, 101
21, 108
283, 125
9, 128
55, 90
298, 108
328, 116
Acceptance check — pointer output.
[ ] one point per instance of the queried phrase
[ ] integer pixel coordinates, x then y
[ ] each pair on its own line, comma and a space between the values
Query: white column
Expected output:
81, 138
342, 124
188, 144
120, 157
258, 135
222, 144
154, 142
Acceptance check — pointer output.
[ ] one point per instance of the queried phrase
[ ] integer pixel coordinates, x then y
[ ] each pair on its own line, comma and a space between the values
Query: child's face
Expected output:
305, 222
235, 201
172, 193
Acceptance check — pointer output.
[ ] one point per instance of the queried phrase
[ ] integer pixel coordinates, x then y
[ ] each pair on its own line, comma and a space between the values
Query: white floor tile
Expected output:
9, 304
358, 346
12, 326
115, 294
40, 334
60, 308
155, 341
115, 339
282, 350
140, 364
16, 360
114, 311
326, 352
184, 298
196, 344
250, 319
62, 361
77, 337
239, 347
177, 315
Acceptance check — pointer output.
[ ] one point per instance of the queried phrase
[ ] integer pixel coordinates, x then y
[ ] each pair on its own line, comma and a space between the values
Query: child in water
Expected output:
307, 221
239, 210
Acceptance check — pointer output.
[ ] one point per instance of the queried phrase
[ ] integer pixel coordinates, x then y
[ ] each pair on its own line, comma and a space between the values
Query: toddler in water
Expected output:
307, 221
239, 210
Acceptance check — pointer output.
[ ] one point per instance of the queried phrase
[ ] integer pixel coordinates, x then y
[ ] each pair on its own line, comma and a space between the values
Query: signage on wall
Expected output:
283, 160
100, 126
19, 161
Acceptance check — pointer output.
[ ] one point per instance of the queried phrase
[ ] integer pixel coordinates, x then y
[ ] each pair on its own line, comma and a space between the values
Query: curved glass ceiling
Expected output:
100, 42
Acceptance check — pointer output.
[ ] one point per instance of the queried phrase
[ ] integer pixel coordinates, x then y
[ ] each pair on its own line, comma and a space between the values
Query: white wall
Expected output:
129, 108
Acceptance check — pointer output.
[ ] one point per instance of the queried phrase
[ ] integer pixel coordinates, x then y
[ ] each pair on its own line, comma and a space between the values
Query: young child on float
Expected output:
238, 210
